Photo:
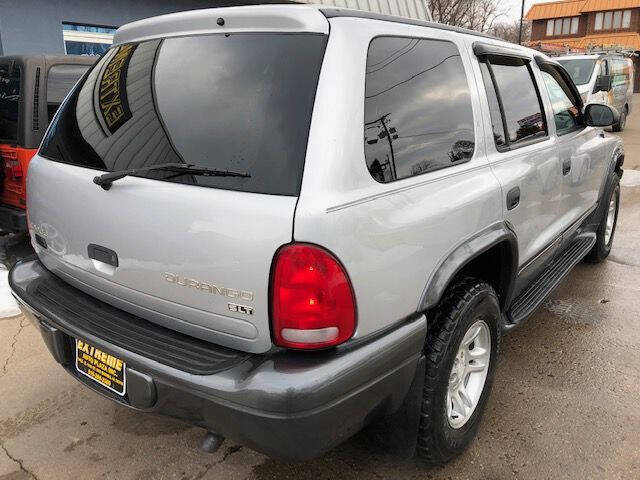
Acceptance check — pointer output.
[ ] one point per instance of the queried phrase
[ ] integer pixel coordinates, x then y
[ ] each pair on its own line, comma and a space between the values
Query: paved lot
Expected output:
564, 404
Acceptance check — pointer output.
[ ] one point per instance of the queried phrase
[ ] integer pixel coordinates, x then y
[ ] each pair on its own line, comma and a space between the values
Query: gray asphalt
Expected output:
564, 404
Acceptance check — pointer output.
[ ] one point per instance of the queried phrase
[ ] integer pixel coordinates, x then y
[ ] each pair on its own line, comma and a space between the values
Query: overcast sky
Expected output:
513, 7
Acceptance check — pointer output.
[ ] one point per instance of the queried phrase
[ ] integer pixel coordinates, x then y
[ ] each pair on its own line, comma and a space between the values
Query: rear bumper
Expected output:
289, 405
12, 219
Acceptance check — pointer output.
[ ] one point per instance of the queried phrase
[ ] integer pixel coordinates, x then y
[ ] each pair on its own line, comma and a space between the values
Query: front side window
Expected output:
417, 113
566, 113
235, 102
620, 72
80, 39
517, 93
9, 102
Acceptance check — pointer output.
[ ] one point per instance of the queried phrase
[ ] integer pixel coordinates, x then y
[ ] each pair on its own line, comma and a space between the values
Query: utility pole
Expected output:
521, 17
383, 121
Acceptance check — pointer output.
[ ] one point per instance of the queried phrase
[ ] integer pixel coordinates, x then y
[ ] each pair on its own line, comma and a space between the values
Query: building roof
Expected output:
565, 8
625, 40
572, 8
601, 5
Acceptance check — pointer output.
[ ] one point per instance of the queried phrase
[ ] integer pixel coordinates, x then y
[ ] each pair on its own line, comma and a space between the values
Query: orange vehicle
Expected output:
31, 90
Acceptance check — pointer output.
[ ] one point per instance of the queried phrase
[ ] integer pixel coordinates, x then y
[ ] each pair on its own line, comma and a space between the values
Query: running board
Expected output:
536, 293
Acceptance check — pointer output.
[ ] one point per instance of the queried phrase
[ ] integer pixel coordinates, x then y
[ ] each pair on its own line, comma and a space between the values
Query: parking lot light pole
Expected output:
521, 17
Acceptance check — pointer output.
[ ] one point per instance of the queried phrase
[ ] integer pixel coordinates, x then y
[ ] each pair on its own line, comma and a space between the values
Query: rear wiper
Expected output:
106, 179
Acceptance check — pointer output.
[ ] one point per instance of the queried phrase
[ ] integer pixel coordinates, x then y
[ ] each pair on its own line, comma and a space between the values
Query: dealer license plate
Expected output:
102, 367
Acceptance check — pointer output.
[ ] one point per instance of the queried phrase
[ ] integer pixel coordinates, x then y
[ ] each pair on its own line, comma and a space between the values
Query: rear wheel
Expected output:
460, 350
608, 222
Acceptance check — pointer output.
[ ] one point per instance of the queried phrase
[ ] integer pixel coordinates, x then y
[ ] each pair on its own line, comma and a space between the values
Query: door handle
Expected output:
566, 166
513, 198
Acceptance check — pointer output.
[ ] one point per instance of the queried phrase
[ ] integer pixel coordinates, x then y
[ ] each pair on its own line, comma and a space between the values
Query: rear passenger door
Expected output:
523, 155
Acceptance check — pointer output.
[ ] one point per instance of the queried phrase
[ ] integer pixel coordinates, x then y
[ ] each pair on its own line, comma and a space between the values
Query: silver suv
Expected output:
282, 223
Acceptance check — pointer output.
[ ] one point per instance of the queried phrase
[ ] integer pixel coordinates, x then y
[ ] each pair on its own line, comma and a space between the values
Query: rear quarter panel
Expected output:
390, 237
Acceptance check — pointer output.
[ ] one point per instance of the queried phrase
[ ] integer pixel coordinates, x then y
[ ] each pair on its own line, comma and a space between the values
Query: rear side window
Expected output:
238, 102
60, 80
418, 115
509, 83
9, 102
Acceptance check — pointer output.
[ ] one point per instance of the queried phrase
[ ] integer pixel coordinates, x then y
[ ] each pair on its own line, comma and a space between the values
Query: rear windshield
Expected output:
238, 102
9, 102
579, 69
60, 80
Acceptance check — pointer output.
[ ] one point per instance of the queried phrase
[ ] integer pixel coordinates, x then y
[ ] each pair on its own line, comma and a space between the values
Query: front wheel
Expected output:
608, 222
460, 350
622, 122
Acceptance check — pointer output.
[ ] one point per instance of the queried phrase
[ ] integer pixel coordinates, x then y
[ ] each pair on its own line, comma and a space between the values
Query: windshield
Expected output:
580, 69
237, 102
9, 103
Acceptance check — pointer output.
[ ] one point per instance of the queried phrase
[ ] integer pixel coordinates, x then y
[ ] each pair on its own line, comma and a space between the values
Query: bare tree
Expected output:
479, 15
509, 31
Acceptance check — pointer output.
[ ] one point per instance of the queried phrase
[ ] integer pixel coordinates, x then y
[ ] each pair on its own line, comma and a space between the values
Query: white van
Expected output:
603, 78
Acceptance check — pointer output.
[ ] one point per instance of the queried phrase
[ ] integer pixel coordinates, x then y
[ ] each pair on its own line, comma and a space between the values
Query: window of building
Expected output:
550, 24
86, 39
598, 24
574, 25
511, 81
562, 26
612, 20
417, 114
558, 29
566, 113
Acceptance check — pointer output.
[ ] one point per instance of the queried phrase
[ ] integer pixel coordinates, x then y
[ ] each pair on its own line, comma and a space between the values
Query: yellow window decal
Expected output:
112, 99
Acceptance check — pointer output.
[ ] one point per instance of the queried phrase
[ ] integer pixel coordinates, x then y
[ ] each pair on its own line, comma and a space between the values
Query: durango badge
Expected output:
208, 287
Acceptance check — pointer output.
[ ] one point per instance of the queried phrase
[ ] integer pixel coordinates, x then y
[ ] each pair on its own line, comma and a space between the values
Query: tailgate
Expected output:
187, 250
193, 259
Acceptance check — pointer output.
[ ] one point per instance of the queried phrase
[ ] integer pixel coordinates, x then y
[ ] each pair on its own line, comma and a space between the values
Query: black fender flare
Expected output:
464, 253
615, 165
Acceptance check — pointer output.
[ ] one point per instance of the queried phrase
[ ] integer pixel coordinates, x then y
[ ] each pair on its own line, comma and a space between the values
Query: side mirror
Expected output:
599, 115
603, 84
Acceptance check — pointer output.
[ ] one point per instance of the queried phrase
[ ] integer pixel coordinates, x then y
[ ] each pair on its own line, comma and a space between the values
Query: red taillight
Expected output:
16, 170
312, 302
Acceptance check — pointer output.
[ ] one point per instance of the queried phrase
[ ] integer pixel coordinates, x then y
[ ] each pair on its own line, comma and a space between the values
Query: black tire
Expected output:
622, 121
601, 248
465, 302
